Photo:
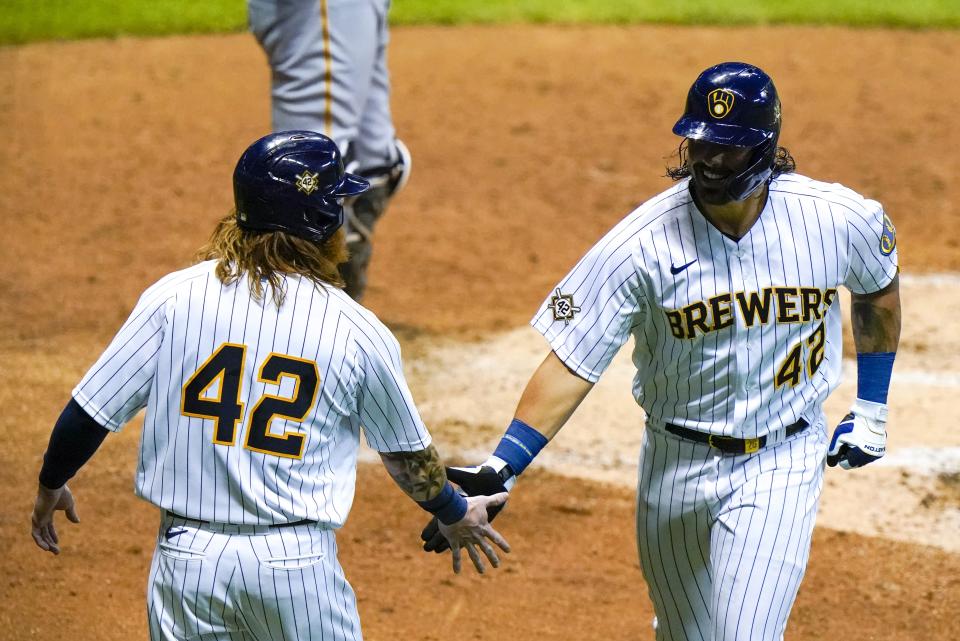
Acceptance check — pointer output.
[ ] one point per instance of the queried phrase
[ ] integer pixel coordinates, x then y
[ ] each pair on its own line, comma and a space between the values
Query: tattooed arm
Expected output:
419, 474
876, 319
463, 521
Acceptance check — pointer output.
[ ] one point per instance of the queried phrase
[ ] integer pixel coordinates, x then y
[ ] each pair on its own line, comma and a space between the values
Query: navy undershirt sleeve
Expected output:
75, 438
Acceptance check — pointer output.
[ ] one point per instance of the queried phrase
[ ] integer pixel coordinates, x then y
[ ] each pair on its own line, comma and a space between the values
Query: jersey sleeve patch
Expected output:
563, 307
888, 239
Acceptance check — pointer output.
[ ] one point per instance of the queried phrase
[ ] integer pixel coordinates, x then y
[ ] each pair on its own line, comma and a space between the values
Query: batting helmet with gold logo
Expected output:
293, 181
735, 103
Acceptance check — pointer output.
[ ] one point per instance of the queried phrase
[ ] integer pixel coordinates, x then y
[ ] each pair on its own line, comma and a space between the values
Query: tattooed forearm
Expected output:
419, 474
876, 319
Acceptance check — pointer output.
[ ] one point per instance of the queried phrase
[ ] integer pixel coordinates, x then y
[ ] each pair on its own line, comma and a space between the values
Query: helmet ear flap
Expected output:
757, 173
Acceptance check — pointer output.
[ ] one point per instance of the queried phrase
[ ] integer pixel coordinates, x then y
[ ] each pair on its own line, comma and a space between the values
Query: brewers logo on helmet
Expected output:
720, 102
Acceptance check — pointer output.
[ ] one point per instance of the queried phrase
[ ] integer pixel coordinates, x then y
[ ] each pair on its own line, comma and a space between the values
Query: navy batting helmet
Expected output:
293, 181
736, 104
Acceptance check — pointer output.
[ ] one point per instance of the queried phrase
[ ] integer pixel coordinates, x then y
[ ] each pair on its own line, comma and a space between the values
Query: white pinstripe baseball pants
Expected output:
218, 582
724, 539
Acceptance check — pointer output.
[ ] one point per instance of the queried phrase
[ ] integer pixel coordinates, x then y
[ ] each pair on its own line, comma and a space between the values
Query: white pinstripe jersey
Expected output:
732, 338
253, 412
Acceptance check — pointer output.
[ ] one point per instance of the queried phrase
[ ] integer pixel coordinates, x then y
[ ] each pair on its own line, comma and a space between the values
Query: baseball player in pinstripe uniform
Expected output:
727, 283
328, 61
258, 374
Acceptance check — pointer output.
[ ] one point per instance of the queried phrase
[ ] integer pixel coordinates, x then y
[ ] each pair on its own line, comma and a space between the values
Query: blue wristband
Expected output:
873, 375
519, 445
448, 506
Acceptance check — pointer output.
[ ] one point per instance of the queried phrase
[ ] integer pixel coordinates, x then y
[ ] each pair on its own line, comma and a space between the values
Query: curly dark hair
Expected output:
783, 163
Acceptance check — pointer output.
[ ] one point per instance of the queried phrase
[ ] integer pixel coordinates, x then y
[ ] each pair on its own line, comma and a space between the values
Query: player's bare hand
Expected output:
493, 477
49, 501
474, 531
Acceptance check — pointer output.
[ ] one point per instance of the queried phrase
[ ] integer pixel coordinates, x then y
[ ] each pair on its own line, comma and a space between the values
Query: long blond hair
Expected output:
268, 256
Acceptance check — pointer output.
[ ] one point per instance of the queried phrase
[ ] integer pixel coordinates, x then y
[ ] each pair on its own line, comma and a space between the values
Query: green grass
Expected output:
29, 20
898, 13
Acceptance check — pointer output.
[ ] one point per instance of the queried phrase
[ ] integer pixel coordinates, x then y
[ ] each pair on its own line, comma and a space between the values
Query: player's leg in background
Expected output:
294, 587
761, 541
673, 530
321, 53
375, 144
376, 155
188, 593
329, 74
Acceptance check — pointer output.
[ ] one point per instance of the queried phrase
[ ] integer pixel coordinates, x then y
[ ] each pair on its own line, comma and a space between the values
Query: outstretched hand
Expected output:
480, 480
49, 501
473, 531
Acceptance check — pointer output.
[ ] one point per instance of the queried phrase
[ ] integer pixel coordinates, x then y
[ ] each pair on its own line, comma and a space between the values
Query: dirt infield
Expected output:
116, 163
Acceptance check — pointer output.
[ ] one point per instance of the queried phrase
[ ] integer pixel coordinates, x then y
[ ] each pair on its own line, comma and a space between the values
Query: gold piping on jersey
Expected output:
327, 70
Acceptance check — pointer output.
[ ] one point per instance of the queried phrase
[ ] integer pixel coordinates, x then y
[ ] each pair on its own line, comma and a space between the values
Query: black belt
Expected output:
187, 518
729, 444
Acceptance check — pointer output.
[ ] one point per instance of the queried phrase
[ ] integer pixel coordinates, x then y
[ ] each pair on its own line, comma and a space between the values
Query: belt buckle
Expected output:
717, 442
750, 445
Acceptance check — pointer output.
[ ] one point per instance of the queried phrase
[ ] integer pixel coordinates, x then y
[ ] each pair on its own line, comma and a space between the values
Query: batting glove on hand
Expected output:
861, 437
493, 477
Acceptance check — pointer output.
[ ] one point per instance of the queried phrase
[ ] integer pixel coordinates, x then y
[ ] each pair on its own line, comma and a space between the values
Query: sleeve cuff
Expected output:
94, 412
560, 348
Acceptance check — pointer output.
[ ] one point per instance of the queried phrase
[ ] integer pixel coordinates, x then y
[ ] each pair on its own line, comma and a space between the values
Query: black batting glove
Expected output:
481, 480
